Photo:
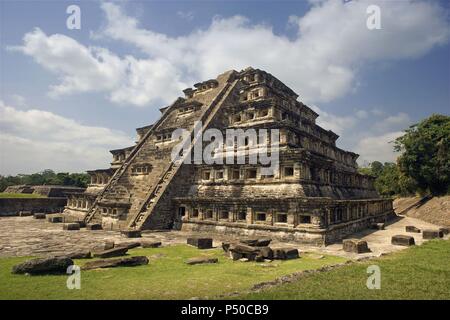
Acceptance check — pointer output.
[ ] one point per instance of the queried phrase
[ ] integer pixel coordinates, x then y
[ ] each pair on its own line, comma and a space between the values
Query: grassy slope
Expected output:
416, 273
166, 277
20, 195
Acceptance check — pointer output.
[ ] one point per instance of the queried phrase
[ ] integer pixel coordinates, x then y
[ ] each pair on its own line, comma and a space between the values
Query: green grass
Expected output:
165, 277
4, 195
421, 272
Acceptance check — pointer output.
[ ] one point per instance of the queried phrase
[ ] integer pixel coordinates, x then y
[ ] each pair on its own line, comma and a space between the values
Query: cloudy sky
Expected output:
69, 96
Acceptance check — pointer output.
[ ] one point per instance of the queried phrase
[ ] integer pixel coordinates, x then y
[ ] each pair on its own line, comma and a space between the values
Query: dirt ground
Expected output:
25, 236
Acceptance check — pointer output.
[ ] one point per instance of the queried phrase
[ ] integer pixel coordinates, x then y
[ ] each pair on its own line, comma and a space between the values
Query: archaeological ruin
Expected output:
315, 195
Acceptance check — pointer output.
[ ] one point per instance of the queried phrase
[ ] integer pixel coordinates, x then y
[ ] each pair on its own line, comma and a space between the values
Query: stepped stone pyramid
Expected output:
314, 196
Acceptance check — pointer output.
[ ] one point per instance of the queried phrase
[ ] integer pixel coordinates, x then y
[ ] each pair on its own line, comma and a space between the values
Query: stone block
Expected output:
94, 226
117, 262
285, 253
131, 233
52, 265
55, 219
412, 229
445, 230
129, 245
432, 234
355, 246
114, 252
201, 243
151, 244
71, 226
256, 242
25, 213
39, 215
402, 240
201, 260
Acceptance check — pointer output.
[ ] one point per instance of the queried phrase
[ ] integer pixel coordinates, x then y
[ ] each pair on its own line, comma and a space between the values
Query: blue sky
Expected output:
69, 96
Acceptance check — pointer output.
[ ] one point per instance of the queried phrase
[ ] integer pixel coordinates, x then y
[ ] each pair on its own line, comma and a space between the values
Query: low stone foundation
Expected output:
312, 236
12, 206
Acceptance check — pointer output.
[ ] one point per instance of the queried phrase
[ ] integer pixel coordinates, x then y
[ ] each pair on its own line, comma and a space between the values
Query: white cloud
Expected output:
37, 140
393, 122
186, 15
377, 147
337, 124
92, 69
321, 63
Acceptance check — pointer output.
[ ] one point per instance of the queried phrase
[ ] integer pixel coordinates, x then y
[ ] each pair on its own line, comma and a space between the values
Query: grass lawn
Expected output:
421, 272
19, 195
165, 277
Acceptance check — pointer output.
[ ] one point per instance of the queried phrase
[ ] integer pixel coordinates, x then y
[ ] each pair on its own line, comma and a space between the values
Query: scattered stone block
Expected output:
131, 233
114, 252
201, 243
201, 260
24, 213
118, 262
249, 242
402, 240
244, 260
94, 226
39, 215
55, 219
108, 245
235, 255
432, 234
129, 245
81, 223
151, 244
53, 265
79, 255
355, 246
226, 246
445, 230
412, 229
285, 253
265, 252
263, 242
71, 226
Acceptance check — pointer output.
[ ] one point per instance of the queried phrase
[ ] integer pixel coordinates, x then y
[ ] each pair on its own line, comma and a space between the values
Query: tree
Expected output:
425, 154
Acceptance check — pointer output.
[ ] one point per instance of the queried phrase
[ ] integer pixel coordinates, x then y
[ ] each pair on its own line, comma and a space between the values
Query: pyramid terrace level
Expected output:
315, 195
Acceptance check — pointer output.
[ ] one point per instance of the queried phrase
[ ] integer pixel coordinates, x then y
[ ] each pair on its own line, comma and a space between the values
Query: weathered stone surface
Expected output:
129, 245
78, 255
71, 226
24, 213
235, 255
118, 262
265, 252
432, 234
94, 226
402, 240
285, 253
201, 260
131, 233
55, 219
151, 244
43, 266
256, 242
243, 249
412, 229
201, 243
226, 246
114, 252
39, 215
355, 246
445, 230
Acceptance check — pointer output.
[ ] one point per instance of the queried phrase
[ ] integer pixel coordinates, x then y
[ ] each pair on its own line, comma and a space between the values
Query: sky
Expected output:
68, 96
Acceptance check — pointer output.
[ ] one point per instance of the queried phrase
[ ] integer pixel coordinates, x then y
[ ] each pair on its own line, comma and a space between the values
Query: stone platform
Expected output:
26, 236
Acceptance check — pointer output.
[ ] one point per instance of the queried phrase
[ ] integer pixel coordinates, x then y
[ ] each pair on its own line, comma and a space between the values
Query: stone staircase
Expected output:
137, 221
145, 198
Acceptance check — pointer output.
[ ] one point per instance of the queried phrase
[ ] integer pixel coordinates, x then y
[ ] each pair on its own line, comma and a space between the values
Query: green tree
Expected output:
425, 154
